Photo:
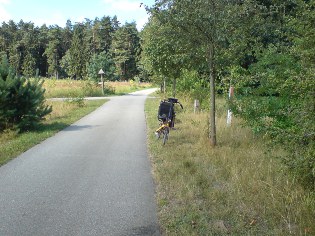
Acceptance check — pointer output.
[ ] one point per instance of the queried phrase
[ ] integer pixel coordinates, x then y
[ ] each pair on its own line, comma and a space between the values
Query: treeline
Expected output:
265, 49
78, 50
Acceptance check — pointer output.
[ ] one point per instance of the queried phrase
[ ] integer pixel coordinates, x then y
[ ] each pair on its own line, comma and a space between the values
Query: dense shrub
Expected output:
276, 98
194, 85
21, 100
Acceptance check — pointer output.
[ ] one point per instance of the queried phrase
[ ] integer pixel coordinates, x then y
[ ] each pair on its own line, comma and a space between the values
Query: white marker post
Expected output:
229, 114
196, 106
101, 72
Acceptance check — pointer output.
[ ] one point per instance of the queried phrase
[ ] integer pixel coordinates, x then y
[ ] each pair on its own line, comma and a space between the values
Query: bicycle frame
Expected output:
163, 126
164, 129
167, 120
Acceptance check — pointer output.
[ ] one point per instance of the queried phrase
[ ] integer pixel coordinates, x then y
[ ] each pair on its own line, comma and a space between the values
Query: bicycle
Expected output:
166, 116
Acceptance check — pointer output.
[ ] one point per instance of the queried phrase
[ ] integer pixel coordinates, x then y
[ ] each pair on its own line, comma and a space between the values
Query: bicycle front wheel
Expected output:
165, 136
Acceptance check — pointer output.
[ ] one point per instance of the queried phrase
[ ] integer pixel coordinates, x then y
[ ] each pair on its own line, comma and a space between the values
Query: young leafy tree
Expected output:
201, 23
162, 52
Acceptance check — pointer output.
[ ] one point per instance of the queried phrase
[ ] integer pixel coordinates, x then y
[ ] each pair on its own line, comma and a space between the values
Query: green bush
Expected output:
191, 83
21, 100
276, 98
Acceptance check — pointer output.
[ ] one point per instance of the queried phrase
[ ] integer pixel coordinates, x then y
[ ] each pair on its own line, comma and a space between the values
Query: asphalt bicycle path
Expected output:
92, 178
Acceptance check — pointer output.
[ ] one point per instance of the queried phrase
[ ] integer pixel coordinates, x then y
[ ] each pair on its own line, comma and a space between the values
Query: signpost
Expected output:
101, 72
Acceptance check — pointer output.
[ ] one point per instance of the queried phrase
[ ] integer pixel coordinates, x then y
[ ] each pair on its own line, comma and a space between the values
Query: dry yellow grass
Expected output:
237, 188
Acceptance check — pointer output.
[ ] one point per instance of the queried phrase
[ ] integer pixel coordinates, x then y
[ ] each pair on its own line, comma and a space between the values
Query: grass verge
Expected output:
237, 188
64, 113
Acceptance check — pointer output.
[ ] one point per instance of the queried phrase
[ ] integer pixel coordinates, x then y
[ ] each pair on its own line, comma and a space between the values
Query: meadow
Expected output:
67, 88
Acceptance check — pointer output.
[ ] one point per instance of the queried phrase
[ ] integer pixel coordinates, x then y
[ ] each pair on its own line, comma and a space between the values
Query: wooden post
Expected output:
102, 83
196, 106
174, 88
101, 72
164, 85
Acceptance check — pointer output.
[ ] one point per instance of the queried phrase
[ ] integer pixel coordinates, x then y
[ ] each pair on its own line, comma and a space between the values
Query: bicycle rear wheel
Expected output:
165, 134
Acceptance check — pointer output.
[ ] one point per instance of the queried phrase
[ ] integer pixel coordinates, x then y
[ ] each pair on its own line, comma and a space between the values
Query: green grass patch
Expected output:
236, 188
64, 113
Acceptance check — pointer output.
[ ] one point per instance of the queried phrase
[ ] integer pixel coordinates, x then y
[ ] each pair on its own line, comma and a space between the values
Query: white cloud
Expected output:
55, 18
122, 5
127, 10
4, 15
141, 22
5, 1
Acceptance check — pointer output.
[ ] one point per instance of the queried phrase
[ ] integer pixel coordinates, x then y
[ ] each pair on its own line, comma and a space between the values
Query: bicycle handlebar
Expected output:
180, 105
174, 101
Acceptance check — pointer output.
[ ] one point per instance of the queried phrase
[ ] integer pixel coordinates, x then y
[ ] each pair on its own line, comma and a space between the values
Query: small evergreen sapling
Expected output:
21, 101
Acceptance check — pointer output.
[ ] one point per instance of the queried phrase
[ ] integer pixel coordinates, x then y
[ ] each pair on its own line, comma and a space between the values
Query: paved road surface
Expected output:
93, 178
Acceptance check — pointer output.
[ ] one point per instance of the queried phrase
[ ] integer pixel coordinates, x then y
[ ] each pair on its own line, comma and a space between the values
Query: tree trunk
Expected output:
212, 133
174, 88
164, 85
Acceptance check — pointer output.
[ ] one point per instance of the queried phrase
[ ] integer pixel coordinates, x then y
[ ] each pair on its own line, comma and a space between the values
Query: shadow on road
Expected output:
55, 126
134, 95
79, 127
59, 126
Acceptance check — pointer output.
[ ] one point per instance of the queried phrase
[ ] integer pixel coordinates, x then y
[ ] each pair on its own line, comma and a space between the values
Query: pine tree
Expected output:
54, 51
78, 55
21, 101
125, 50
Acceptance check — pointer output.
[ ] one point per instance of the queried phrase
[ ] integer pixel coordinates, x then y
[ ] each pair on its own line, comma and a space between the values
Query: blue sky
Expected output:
58, 12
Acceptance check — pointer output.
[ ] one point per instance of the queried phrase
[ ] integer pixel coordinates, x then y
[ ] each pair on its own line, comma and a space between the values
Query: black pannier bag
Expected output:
166, 110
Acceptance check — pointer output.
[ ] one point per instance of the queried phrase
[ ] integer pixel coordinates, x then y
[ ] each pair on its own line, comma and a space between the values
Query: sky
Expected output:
57, 12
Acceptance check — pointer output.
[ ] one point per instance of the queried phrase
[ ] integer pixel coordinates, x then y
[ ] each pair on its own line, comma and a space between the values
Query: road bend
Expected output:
92, 178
